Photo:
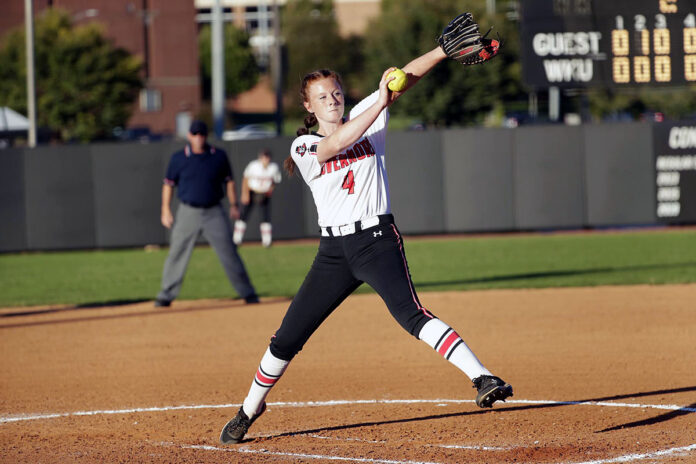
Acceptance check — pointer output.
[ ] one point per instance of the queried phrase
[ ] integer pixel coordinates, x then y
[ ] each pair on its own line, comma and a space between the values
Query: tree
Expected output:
85, 86
675, 103
312, 42
451, 94
241, 71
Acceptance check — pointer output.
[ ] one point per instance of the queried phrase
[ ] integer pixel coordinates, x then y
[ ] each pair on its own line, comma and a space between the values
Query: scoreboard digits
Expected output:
639, 42
648, 57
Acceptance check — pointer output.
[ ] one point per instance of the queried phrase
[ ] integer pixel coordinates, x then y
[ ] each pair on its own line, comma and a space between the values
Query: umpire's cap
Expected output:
198, 127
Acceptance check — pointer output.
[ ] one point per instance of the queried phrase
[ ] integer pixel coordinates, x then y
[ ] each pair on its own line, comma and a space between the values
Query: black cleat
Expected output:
491, 389
234, 430
162, 303
252, 299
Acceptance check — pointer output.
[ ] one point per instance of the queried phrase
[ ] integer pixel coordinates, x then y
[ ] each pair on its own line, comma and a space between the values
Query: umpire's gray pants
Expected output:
215, 225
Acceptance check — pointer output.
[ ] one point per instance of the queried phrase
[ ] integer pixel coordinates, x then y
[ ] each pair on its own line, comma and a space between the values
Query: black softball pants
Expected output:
262, 200
375, 256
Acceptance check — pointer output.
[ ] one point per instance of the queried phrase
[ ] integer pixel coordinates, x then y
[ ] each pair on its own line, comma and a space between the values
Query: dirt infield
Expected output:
601, 375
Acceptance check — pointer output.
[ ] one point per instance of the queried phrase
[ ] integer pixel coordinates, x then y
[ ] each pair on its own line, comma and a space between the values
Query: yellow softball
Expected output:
399, 83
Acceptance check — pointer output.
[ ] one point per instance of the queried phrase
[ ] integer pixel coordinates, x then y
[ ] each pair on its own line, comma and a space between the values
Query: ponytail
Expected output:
309, 122
289, 166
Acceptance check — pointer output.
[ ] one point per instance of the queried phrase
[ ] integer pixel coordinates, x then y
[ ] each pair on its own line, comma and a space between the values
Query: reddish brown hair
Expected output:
310, 120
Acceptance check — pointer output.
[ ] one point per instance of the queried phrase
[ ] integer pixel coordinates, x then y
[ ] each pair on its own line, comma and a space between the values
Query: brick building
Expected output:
164, 34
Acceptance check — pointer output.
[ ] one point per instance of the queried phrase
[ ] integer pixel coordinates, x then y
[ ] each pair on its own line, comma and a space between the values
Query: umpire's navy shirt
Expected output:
200, 178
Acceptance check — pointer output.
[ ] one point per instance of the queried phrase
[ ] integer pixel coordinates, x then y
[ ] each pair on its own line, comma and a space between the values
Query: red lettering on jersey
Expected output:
359, 153
367, 147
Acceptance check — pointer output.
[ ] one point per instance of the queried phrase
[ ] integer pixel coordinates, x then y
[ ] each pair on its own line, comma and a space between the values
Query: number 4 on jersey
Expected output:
349, 183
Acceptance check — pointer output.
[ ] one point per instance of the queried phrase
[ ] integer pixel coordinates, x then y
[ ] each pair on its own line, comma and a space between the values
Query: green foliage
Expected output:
85, 86
675, 103
451, 93
241, 71
312, 42
453, 263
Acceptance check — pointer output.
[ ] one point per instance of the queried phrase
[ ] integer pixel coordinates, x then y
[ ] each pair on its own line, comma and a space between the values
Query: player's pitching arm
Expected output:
419, 67
349, 132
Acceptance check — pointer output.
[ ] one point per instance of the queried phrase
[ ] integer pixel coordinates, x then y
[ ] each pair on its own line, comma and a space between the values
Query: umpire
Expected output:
202, 174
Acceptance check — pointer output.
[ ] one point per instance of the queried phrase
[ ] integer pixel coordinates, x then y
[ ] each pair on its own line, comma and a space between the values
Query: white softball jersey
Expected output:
261, 178
352, 185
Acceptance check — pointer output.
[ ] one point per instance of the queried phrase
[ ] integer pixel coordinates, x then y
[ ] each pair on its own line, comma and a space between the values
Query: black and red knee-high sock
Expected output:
443, 339
269, 372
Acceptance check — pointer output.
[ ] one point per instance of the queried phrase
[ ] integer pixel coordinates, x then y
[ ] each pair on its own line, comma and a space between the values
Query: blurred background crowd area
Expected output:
141, 69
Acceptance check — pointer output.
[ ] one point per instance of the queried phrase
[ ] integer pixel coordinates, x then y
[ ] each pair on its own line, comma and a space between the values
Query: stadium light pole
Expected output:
218, 69
277, 67
31, 76
490, 7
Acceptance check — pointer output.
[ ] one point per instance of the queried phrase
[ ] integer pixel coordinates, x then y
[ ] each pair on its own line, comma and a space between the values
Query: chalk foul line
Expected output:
6, 419
639, 457
246, 450
325, 457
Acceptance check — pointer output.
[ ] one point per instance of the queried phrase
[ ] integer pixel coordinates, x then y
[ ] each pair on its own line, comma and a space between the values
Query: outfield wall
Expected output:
449, 181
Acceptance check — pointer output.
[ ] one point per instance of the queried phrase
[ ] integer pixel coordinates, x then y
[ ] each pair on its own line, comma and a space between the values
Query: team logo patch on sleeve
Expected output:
313, 149
301, 149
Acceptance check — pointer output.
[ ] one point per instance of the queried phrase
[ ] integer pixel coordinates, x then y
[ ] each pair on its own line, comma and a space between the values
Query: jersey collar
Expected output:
207, 148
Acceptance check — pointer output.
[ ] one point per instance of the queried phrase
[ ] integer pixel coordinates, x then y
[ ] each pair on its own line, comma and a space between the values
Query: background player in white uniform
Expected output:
260, 177
343, 163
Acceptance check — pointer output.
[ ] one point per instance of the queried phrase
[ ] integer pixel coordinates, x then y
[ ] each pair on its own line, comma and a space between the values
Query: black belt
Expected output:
194, 205
348, 229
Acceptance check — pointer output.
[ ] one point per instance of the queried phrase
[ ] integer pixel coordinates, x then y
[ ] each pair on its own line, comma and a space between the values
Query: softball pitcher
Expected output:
343, 163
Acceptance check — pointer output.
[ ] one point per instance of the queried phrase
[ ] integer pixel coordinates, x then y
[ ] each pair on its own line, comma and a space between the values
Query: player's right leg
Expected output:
240, 224
327, 284
265, 226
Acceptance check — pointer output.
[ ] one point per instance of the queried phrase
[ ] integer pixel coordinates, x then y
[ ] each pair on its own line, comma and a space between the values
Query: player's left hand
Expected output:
386, 96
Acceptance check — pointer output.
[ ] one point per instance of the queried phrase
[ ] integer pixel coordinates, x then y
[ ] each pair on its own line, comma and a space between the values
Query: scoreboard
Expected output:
675, 172
618, 43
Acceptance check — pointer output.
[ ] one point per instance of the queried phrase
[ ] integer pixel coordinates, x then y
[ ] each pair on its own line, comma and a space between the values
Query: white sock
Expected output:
443, 339
268, 373
266, 233
239, 229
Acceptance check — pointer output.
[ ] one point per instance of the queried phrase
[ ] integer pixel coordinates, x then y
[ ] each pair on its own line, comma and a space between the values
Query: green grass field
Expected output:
454, 263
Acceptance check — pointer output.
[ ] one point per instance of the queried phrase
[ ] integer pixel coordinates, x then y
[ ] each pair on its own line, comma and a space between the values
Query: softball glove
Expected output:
462, 41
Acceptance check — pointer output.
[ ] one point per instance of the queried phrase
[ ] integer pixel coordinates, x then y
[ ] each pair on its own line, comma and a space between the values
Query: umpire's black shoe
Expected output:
491, 389
234, 430
252, 299
162, 303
